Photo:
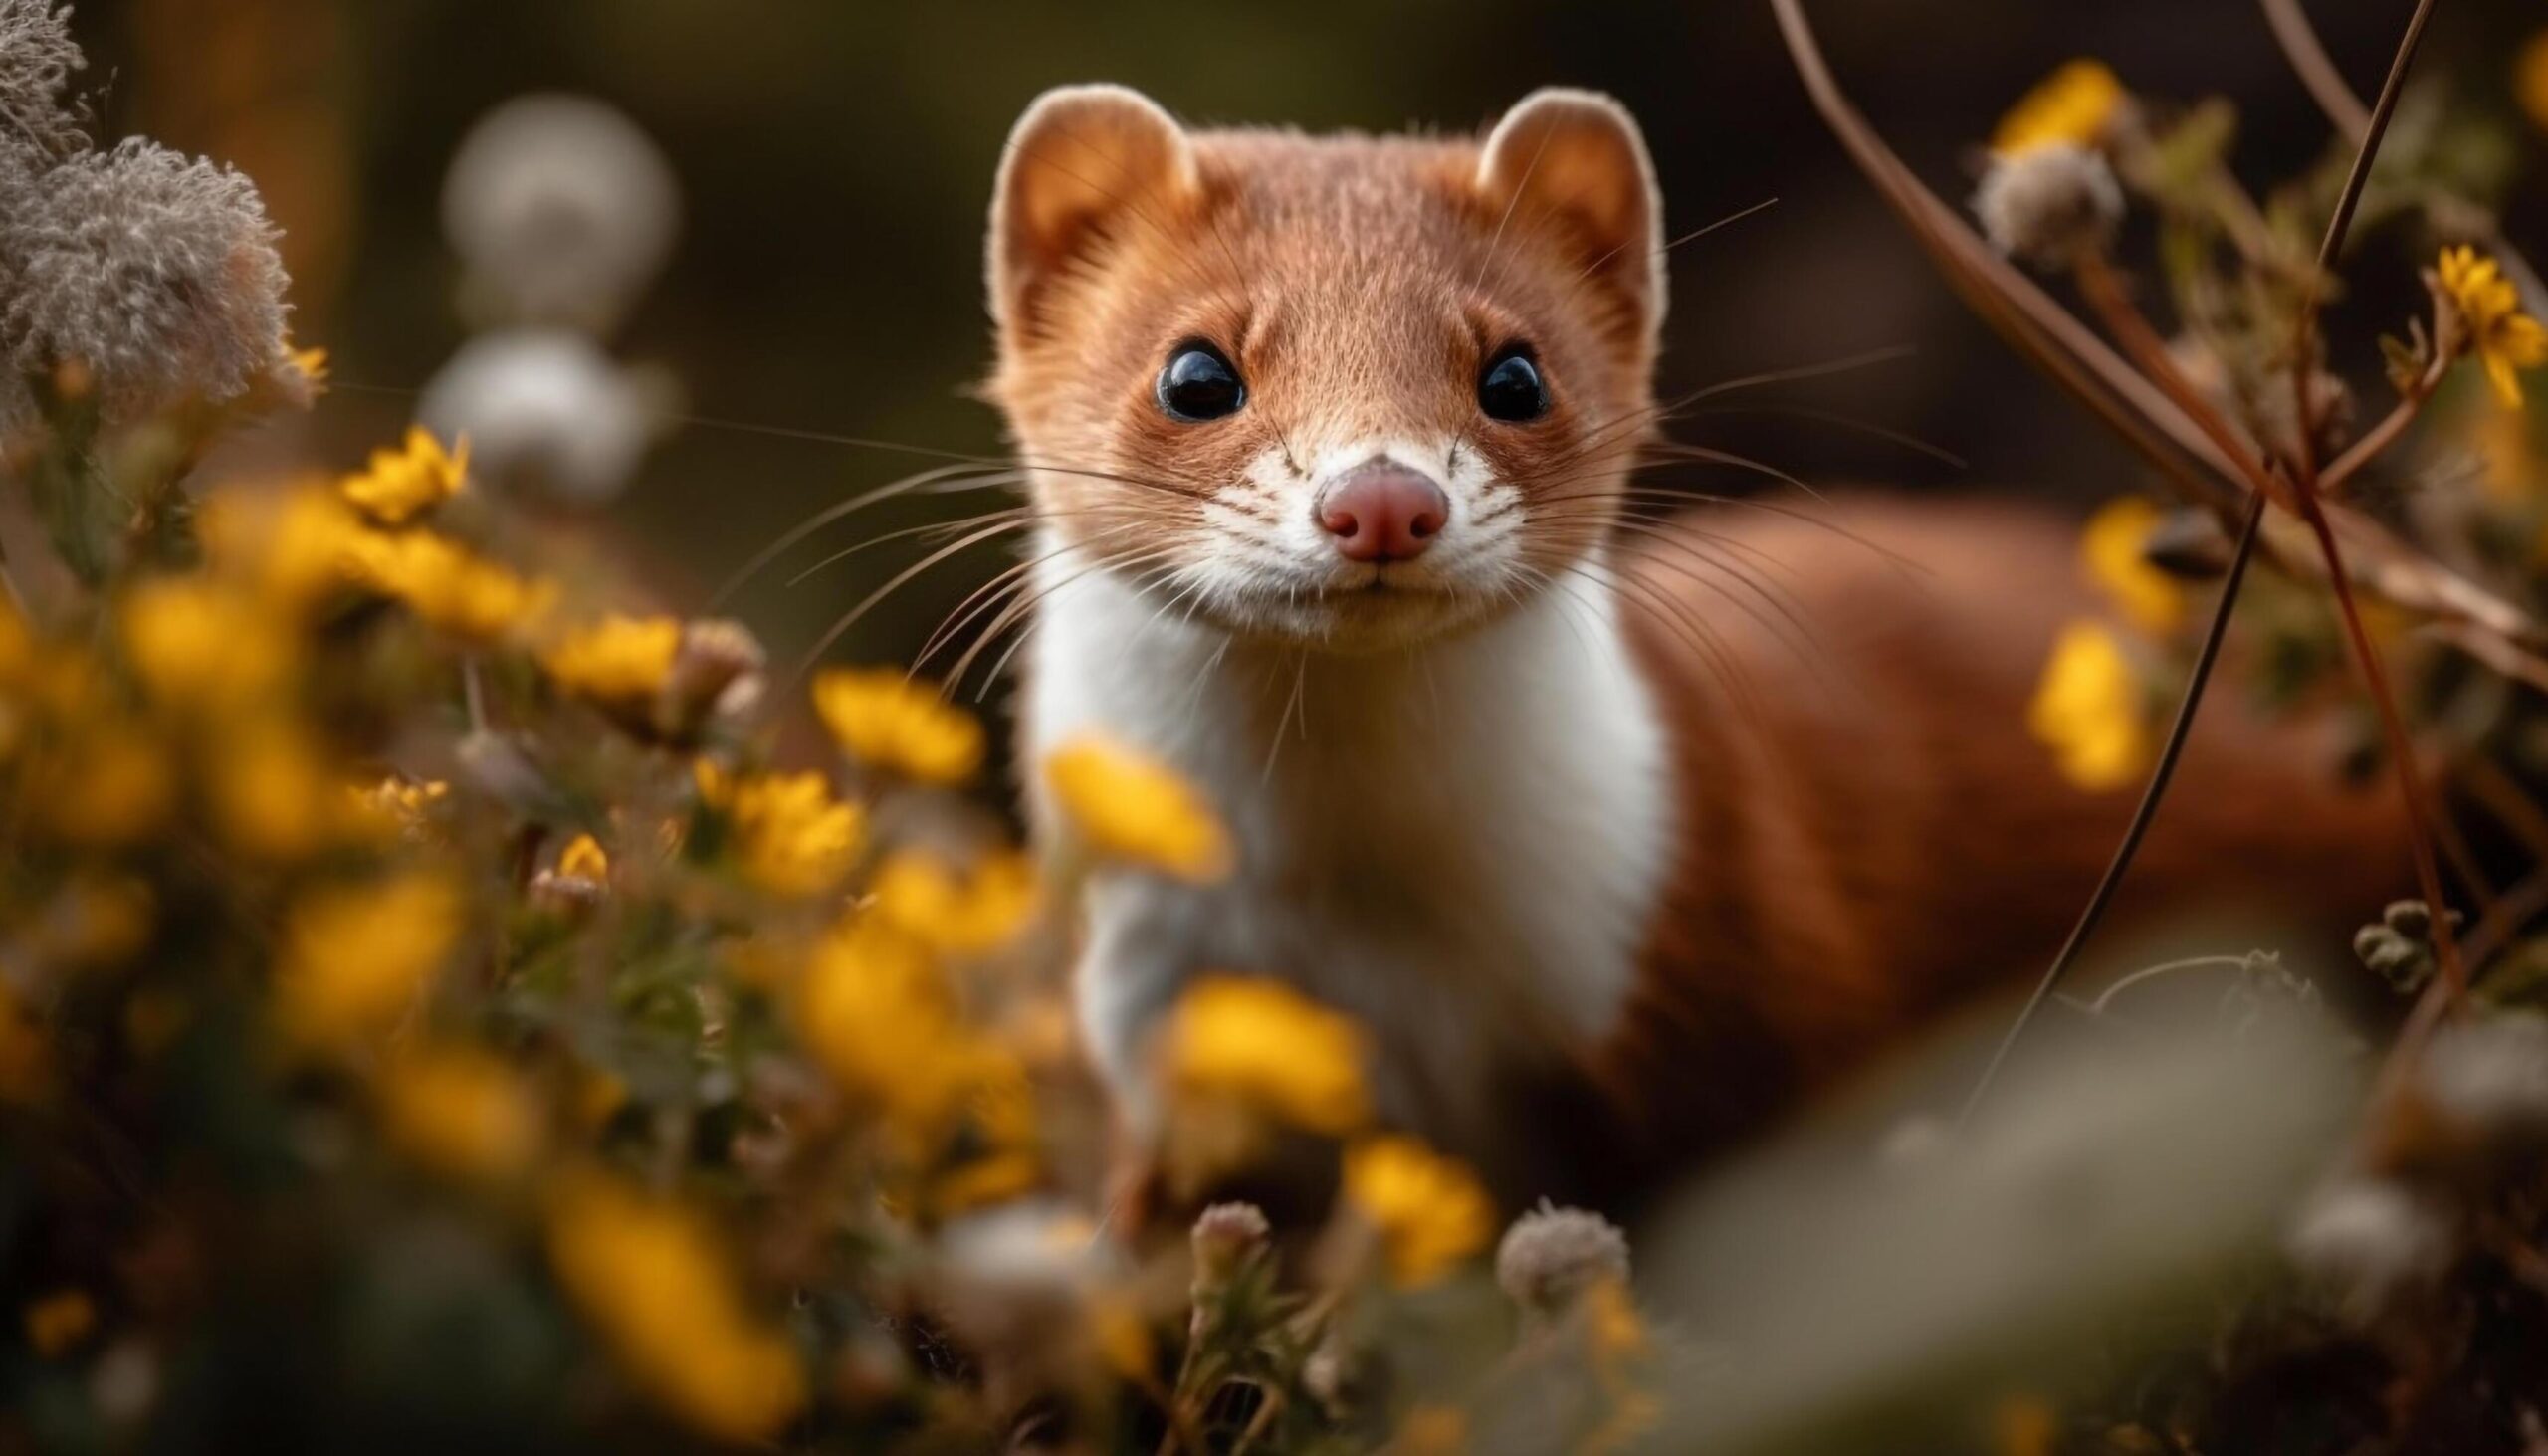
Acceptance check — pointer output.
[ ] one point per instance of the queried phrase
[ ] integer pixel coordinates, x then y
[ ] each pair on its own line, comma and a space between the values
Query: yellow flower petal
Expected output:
2073, 106
617, 660
352, 960
2090, 709
2114, 552
402, 483
1130, 807
886, 721
460, 1112
1431, 1211
1268, 1046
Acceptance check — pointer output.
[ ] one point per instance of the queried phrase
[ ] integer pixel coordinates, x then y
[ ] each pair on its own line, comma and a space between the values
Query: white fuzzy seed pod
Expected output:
2048, 205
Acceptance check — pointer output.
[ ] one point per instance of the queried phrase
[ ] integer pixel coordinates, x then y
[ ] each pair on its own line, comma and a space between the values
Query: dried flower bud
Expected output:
716, 656
545, 413
563, 210
2373, 1243
1226, 1236
2405, 962
155, 273
2048, 205
37, 58
1551, 1255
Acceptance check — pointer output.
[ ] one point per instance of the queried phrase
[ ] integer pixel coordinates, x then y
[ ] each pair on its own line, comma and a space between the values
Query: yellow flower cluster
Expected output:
1266, 1044
876, 1012
1430, 1213
791, 835
1128, 807
2114, 553
2072, 107
446, 585
460, 1112
2090, 710
618, 661
402, 483
353, 959
952, 912
2504, 338
653, 1278
889, 723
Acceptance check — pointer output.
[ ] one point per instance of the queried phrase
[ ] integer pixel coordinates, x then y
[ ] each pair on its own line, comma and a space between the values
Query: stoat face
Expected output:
1351, 392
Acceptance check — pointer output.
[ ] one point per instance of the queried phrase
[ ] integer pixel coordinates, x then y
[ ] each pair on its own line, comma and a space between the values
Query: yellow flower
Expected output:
1131, 808
584, 858
2088, 709
654, 1280
2504, 337
617, 660
352, 960
884, 719
1430, 1213
2071, 106
446, 586
312, 363
1272, 1048
2026, 1425
112, 785
294, 546
791, 836
2530, 79
60, 1321
2114, 552
398, 806
270, 791
924, 896
402, 483
460, 1112
875, 1011
192, 640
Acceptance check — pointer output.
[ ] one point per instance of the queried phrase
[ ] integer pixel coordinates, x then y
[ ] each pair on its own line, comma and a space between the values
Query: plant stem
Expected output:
2251, 524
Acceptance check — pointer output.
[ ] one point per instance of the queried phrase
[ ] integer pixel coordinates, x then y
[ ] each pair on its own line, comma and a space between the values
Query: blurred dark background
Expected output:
836, 159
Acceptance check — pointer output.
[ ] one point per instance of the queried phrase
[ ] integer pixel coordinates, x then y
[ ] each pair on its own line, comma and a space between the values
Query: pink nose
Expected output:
1383, 513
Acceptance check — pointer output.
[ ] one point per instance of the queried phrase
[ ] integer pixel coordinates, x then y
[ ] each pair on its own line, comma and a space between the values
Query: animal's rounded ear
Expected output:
1082, 161
1575, 161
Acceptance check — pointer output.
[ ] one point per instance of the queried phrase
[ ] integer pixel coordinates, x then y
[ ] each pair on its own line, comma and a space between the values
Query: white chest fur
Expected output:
1460, 844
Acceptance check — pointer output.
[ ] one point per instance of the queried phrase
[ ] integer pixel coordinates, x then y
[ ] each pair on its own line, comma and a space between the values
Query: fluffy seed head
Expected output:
563, 210
155, 271
37, 58
1551, 1255
2049, 204
2372, 1242
2490, 1077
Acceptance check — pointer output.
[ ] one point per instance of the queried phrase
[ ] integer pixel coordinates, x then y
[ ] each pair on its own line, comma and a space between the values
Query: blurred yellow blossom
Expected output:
886, 721
112, 786
2114, 552
1431, 1211
402, 483
352, 958
1432, 1430
1130, 807
956, 913
399, 806
584, 858
2504, 337
618, 660
460, 1112
195, 640
58, 1320
2026, 1425
1271, 1047
271, 792
654, 1280
446, 585
791, 835
2090, 709
312, 363
2071, 106
876, 1013
2530, 79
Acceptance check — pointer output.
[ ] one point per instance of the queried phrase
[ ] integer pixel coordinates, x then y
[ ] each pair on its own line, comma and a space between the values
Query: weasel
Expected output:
1620, 839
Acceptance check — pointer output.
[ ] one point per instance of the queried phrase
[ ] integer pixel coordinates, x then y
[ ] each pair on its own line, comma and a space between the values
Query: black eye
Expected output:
1511, 390
1199, 384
